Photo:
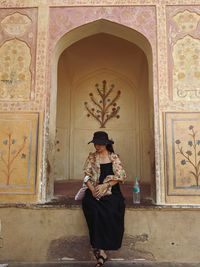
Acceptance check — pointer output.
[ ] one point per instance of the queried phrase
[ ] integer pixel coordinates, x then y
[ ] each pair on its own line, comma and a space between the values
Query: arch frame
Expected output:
69, 38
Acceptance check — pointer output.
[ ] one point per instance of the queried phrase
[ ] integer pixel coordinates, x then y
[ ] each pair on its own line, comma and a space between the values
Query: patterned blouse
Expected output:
92, 168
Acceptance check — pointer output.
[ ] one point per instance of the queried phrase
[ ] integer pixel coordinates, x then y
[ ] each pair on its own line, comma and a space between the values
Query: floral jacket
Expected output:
92, 168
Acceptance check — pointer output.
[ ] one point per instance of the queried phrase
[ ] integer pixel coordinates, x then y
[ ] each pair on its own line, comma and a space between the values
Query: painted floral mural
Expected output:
8, 155
191, 154
103, 106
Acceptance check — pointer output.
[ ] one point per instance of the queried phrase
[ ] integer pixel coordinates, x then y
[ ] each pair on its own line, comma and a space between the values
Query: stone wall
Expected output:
56, 233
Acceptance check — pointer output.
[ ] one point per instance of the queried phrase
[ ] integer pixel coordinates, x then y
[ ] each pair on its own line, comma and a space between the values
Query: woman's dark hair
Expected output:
109, 147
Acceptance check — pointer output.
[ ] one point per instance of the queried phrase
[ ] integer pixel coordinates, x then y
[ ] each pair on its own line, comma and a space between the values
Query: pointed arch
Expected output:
77, 34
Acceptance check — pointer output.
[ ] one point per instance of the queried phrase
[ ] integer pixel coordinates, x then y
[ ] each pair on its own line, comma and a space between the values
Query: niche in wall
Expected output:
90, 61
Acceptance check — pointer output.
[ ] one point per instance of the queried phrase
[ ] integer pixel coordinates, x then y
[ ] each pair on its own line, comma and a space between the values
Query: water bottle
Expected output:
136, 191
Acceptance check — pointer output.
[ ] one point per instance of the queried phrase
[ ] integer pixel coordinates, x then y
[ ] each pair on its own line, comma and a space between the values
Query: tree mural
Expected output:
9, 155
103, 107
192, 155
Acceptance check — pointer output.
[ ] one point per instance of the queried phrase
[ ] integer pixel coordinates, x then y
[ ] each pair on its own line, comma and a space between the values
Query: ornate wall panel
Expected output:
184, 49
186, 73
63, 19
16, 24
140, 18
15, 72
18, 153
182, 146
18, 36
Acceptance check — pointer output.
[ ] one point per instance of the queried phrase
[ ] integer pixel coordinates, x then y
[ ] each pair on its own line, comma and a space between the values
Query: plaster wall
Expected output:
46, 234
83, 65
63, 111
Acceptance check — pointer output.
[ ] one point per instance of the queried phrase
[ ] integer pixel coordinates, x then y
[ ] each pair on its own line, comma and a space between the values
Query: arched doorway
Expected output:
106, 54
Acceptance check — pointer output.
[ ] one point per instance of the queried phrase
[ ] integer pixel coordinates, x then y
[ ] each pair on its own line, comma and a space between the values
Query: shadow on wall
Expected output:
78, 248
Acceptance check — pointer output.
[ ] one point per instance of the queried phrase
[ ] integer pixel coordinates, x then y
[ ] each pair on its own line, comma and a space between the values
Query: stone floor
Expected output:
107, 264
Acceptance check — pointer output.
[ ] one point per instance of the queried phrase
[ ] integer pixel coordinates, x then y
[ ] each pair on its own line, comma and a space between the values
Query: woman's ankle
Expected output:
102, 252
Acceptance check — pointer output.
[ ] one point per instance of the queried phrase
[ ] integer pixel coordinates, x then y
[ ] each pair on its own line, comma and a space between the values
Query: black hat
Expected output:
101, 138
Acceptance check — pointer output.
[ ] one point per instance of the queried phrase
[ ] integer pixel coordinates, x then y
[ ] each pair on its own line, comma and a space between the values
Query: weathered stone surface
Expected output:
77, 247
50, 234
109, 264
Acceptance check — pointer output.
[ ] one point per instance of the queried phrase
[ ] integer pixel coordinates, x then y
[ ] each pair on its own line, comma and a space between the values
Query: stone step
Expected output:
92, 264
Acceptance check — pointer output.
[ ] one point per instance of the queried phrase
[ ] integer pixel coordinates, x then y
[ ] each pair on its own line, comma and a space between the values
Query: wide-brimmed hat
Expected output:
101, 138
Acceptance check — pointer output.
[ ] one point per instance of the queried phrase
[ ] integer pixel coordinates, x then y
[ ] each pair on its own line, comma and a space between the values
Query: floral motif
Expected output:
186, 72
187, 21
9, 155
102, 111
16, 24
15, 75
136, 17
26, 27
191, 156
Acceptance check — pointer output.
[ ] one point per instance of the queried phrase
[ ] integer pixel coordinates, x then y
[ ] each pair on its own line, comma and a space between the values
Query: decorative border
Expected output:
159, 94
169, 125
30, 3
61, 20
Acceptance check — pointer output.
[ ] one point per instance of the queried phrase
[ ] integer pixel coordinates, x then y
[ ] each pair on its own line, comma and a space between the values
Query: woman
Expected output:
103, 203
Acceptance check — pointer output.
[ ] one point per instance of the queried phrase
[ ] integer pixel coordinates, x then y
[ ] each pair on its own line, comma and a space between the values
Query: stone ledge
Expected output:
90, 264
63, 203
64, 192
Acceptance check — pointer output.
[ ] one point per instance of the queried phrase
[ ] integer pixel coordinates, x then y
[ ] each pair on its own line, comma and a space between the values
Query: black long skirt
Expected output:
105, 219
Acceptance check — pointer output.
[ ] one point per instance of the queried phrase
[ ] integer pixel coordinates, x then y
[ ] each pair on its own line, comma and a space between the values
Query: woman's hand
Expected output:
100, 189
94, 194
91, 187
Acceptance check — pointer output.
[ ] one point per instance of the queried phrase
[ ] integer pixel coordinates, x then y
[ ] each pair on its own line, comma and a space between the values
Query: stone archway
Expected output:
86, 31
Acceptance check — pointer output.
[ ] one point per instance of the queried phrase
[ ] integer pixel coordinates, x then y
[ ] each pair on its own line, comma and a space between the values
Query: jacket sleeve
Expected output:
119, 172
87, 168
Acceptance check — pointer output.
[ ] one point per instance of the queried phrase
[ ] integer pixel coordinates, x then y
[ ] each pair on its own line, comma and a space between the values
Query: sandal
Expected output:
96, 253
101, 261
